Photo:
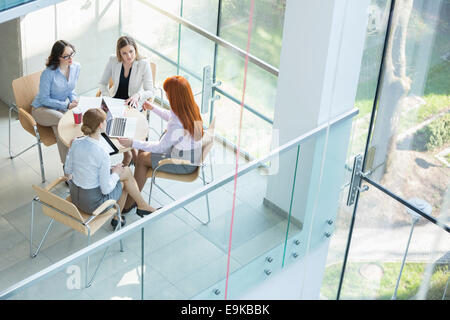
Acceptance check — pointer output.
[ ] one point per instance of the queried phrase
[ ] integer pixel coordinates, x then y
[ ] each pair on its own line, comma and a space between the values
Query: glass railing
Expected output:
271, 213
402, 256
188, 35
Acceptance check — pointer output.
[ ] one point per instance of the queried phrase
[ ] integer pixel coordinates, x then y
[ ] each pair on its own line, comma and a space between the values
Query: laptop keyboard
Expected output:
118, 127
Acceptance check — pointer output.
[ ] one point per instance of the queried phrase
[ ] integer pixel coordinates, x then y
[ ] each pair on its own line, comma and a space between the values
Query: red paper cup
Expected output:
77, 116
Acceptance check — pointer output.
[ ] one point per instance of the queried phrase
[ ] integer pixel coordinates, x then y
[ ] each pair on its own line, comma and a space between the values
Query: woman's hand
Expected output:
126, 142
118, 169
72, 105
133, 101
147, 106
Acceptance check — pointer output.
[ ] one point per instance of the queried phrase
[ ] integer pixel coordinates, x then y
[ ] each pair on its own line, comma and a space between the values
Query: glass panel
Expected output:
366, 90
150, 27
256, 133
202, 13
385, 236
196, 53
261, 86
410, 135
434, 263
267, 29
112, 274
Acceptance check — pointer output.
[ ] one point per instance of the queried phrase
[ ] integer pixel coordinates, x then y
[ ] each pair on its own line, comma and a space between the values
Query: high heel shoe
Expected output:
122, 223
141, 213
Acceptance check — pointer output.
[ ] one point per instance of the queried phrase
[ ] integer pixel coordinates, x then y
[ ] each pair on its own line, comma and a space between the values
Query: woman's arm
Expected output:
161, 112
173, 135
72, 95
46, 100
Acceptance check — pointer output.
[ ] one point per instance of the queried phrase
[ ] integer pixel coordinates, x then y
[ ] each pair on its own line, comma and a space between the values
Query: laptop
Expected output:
118, 126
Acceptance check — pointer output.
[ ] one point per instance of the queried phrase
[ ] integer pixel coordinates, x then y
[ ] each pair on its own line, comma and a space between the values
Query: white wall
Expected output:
91, 26
321, 54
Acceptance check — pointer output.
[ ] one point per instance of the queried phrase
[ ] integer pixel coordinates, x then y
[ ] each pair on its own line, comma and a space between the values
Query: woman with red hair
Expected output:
182, 139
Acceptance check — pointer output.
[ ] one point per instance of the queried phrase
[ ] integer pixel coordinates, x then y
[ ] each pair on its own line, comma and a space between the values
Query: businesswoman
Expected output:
183, 138
56, 90
131, 76
92, 180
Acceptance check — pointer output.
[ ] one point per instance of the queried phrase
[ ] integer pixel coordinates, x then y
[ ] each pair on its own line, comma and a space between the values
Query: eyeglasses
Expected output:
68, 56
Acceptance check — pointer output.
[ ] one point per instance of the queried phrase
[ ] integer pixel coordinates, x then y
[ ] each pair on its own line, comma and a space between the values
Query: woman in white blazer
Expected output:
131, 75
132, 79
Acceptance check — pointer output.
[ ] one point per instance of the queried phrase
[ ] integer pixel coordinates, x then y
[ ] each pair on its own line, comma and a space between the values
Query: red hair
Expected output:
182, 102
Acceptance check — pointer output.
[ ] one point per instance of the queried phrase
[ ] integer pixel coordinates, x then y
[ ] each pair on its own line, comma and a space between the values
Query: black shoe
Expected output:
141, 213
114, 222
126, 210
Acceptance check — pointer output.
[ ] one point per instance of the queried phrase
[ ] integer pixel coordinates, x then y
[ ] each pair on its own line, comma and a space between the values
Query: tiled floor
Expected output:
182, 256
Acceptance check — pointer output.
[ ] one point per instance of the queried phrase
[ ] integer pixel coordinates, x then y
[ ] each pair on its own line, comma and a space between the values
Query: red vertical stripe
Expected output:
250, 22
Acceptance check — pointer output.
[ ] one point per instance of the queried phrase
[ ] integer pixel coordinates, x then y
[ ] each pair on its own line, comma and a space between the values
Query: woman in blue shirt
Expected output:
56, 90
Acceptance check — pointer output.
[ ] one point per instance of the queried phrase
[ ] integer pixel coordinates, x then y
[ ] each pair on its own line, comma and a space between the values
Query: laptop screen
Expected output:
106, 109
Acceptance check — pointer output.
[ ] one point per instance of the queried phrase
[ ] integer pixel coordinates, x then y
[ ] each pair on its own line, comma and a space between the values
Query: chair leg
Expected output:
118, 227
33, 255
193, 215
41, 161
206, 196
151, 188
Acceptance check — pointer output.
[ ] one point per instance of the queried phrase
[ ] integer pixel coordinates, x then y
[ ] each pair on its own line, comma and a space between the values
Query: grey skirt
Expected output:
88, 200
170, 168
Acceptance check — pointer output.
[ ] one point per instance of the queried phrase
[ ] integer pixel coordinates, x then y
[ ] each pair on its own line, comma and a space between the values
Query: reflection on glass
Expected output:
378, 14
406, 154
267, 29
151, 28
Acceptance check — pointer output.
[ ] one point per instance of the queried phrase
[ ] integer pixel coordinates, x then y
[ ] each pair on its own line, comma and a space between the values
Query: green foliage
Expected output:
356, 286
434, 135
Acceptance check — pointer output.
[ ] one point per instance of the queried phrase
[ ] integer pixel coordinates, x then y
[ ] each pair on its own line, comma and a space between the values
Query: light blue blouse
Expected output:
90, 165
55, 89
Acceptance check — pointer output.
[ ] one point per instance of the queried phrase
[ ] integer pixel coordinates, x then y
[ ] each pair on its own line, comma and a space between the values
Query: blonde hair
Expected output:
123, 42
92, 120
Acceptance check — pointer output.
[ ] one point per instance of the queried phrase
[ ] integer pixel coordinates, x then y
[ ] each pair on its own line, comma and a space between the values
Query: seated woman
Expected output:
56, 90
183, 137
93, 181
131, 76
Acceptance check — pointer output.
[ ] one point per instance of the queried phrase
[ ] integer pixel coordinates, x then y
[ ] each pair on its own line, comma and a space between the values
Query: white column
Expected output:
321, 54
10, 59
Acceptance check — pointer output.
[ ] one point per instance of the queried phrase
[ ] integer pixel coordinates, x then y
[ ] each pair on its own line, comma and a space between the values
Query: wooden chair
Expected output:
25, 89
153, 173
65, 212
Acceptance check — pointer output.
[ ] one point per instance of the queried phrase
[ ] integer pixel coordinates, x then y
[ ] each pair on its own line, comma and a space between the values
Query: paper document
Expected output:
86, 103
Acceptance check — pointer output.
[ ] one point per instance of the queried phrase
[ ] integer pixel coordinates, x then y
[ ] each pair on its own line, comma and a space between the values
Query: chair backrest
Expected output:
25, 90
57, 202
208, 139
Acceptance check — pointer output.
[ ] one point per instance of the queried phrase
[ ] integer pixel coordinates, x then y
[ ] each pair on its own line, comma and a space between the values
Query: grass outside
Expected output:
359, 287
447, 157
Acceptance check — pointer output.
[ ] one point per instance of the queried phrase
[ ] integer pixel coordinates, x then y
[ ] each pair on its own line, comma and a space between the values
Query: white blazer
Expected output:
141, 79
